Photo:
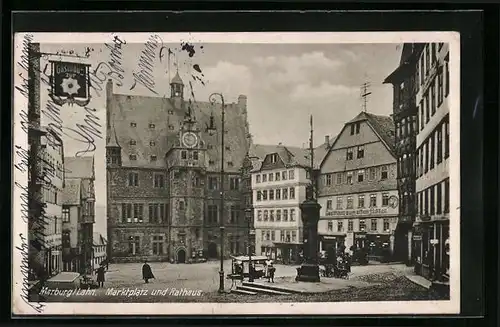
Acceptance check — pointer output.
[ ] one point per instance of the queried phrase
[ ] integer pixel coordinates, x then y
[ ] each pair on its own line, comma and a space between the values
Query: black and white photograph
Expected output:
236, 173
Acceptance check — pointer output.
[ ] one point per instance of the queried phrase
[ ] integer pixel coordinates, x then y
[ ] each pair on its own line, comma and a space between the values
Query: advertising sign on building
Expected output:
70, 83
357, 212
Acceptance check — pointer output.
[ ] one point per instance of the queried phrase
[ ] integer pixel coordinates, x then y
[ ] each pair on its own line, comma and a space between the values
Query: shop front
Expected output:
430, 242
378, 247
288, 253
331, 242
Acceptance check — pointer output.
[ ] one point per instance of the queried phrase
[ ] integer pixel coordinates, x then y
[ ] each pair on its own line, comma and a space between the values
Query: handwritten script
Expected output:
144, 73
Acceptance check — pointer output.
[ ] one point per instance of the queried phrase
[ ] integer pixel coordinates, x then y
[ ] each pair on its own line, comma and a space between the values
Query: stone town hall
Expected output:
163, 177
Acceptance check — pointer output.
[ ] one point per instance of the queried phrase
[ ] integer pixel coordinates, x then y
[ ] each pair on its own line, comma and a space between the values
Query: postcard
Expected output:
236, 173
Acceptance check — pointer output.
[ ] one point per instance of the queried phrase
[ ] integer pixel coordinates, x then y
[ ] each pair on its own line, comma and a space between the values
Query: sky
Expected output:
284, 83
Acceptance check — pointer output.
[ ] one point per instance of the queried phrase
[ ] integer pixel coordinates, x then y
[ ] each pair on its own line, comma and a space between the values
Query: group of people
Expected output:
147, 273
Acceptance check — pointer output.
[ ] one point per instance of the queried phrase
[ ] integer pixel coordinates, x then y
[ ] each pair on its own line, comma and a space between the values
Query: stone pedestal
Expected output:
309, 270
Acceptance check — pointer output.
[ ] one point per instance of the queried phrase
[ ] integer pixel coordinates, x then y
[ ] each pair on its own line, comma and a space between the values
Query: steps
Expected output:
252, 288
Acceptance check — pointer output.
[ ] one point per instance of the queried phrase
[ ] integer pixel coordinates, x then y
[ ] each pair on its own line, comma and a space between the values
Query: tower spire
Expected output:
364, 94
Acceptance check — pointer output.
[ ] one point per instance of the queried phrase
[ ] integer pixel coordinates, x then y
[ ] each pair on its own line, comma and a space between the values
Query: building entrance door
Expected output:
212, 250
181, 256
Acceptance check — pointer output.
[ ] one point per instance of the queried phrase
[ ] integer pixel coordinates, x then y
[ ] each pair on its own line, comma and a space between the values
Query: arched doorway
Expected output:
181, 256
212, 250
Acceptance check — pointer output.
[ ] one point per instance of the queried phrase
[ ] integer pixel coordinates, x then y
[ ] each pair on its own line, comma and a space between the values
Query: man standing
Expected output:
147, 274
100, 276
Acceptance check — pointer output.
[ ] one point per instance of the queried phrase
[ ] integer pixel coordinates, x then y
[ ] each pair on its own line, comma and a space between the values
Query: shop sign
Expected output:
417, 237
434, 241
360, 235
358, 212
70, 83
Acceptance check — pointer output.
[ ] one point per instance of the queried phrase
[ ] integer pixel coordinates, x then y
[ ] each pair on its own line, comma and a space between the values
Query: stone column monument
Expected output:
309, 270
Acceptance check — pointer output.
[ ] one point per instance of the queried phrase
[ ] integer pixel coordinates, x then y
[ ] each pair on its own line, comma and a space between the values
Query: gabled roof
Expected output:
167, 117
72, 192
409, 54
383, 126
79, 167
98, 239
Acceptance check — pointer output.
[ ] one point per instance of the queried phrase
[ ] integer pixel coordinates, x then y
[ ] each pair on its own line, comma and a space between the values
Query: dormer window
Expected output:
171, 127
152, 126
132, 124
152, 143
133, 142
228, 148
170, 112
274, 158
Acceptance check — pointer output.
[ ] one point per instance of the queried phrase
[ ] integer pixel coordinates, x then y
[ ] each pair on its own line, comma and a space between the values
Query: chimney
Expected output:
327, 140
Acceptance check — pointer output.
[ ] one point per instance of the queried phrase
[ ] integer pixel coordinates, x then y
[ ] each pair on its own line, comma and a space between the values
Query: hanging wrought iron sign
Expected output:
70, 83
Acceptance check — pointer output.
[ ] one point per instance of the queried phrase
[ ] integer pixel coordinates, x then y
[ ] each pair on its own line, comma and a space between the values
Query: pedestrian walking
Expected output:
271, 270
147, 273
100, 276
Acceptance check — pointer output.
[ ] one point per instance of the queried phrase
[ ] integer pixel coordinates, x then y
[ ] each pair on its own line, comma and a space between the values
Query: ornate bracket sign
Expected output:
70, 83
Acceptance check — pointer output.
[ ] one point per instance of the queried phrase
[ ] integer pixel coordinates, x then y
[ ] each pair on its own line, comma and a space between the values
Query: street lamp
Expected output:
211, 129
248, 214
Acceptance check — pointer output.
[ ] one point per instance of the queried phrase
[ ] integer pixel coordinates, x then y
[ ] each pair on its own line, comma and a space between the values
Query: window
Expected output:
271, 215
447, 196
426, 202
133, 179
284, 193
291, 174
350, 204
349, 177
211, 162
328, 179
266, 215
170, 112
358, 125
330, 226
271, 194
339, 203
422, 110
195, 155
422, 70
433, 149
285, 214
154, 213
212, 183
420, 203
235, 214
152, 126
340, 226
292, 214
259, 195
65, 215
257, 178
278, 194
439, 145
138, 212
433, 98
264, 178
421, 152
432, 200
361, 201
427, 59
171, 127
294, 236
183, 155
329, 204
386, 224
417, 77
361, 176
373, 200
228, 148
274, 158
273, 235
134, 245
439, 202
132, 124
152, 143
352, 129
230, 164
373, 224
259, 215
362, 225
349, 154
132, 157
126, 212
284, 175
292, 192
427, 107
264, 195
277, 177
385, 199
385, 173
361, 151
153, 158
212, 214
440, 86
446, 78
446, 139
426, 166
372, 173
278, 215
234, 183
159, 181
350, 225
133, 142
339, 178
157, 245
210, 146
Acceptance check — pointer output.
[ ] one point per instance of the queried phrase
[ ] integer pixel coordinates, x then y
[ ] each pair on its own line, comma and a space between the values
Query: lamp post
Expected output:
248, 213
211, 129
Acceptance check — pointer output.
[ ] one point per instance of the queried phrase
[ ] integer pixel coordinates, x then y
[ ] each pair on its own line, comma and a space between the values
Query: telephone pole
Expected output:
364, 94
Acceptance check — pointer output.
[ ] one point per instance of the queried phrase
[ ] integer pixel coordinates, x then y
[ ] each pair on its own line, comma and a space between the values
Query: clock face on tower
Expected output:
189, 140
